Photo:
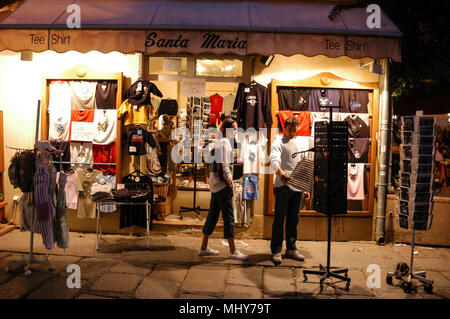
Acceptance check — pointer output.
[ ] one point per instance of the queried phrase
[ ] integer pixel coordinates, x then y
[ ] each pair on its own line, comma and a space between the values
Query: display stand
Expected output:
194, 208
30, 259
326, 272
406, 279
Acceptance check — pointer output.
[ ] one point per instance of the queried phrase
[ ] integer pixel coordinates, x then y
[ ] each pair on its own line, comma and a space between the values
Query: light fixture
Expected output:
267, 59
375, 67
26, 55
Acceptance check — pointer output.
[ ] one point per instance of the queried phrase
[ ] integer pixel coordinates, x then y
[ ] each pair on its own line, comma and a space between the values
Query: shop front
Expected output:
201, 65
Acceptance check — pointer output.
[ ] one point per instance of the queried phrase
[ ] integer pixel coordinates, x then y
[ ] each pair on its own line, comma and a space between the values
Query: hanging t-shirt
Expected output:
321, 99
135, 140
304, 117
81, 152
64, 149
252, 154
105, 94
81, 127
293, 98
357, 127
354, 101
355, 182
85, 179
104, 154
139, 93
59, 95
103, 179
358, 150
70, 189
105, 127
250, 187
59, 124
134, 114
83, 94
227, 105
216, 108
254, 106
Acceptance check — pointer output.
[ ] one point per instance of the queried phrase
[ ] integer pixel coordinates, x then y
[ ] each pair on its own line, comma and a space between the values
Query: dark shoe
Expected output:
276, 259
294, 254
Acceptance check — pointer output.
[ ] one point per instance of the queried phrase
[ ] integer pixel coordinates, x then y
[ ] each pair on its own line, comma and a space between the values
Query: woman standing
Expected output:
221, 186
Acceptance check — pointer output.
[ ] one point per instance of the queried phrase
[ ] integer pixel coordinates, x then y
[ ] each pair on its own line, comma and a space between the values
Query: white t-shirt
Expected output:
355, 184
81, 152
59, 95
83, 94
59, 124
105, 126
228, 103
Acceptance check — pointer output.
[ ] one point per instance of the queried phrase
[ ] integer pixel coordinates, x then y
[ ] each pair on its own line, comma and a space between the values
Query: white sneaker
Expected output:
238, 255
208, 252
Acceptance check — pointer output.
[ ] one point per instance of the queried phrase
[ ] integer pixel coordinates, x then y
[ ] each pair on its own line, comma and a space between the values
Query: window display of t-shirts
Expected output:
70, 188
134, 114
64, 149
105, 127
105, 154
358, 150
81, 127
354, 101
355, 184
135, 140
105, 94
83, 94
321, 99
304, 117
59, 124
254, 106
103, 179
216, 108
85, 179
139, 92
81, 152
293, 98
357, 127
227, 105
59, 95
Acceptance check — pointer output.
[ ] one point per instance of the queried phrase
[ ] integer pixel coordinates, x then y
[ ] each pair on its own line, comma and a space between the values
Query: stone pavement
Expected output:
170, 268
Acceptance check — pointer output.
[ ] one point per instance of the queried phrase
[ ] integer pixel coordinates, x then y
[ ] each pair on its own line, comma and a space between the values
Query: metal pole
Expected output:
329, 243
412, 248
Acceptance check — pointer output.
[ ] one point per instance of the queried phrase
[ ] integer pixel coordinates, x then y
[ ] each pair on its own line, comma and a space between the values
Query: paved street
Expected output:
170, 268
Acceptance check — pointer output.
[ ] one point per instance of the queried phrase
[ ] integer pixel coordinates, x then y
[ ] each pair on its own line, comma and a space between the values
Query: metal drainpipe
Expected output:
385, 145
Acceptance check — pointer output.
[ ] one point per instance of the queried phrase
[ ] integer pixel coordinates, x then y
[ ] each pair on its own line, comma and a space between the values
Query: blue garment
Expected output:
250, 187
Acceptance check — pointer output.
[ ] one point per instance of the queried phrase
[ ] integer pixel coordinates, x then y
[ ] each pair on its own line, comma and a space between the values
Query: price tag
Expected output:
132, 149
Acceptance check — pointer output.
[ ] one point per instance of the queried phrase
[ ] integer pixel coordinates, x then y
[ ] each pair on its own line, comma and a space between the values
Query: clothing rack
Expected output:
30, 259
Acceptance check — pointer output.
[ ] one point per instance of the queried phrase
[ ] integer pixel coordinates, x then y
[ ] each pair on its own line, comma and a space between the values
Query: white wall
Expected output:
20, 89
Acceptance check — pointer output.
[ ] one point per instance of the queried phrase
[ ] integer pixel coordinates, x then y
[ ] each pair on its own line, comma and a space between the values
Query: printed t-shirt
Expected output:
81, 152
358, 150
354, 101
83, 94
81, 127
104, 154
216, 108
304, 118
135, 140
59, 95
139, 92
64, 148
59, 124
355, 182
227, 105
105, 127
85, 179
103, 179
70, 189
105, 95
293, 98
134, 114
356, 126
321, 99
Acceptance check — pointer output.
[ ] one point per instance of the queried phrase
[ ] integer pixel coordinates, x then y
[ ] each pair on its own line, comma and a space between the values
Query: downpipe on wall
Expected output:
385, 115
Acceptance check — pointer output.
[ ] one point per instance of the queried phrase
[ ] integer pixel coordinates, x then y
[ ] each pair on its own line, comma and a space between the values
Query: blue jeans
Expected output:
220, 201
287, 207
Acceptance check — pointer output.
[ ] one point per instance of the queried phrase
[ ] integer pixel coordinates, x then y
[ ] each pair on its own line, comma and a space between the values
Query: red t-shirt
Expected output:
104, 154
216, 107
304, 128
86, 115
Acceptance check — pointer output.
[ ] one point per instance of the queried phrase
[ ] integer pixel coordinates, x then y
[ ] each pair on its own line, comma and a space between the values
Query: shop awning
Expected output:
224, 27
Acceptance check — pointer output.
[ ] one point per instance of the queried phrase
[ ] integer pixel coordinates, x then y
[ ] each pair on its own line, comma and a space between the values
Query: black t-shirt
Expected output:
254, 106
357, 127
134, 140
293, 98
105, 95
358, 150
354, 101
64, 148
139, 93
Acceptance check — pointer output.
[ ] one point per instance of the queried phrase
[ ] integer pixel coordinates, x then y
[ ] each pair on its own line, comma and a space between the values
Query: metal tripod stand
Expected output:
407, 280
326, 272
